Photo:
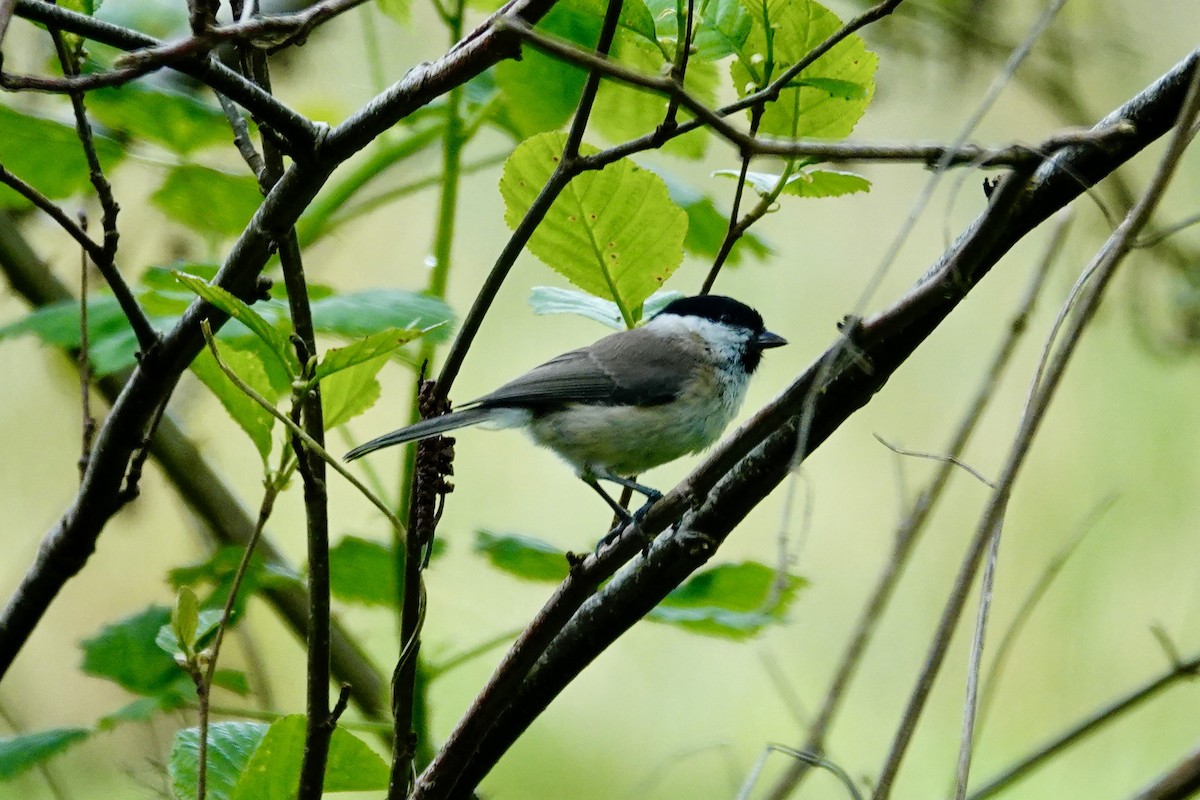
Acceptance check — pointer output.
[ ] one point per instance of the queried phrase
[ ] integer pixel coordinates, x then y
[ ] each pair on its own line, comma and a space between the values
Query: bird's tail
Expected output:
423, 430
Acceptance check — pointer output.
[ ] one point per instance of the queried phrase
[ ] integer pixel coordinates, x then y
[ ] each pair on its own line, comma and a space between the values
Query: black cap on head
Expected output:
730, 312
718, 309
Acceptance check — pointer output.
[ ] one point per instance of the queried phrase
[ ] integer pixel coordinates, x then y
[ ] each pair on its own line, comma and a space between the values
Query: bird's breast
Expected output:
628, 440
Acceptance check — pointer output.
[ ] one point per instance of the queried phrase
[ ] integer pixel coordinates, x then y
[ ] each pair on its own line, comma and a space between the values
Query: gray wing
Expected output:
629, 367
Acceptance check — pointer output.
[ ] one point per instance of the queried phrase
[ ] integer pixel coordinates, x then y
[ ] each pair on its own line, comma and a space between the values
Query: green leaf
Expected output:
720, 28
208, 200
399, 10
363, 571
809, 183
364, 313
797, 27
707, 225
232, 680
142, 709
623, 112
846, 90
207, 621
125, 652
235, 308
350, 392
273, 772
733, 601
230, 746
181, 123
87, 7
635, 17
19, 753
57, 324
539, 92
47, 155
614, 232
219, 570
553, 300
383, 343
522, 556
255, 420
826, 183
185, 618
353, 766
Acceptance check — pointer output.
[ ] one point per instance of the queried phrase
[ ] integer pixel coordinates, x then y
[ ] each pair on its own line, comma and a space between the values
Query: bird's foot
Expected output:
635, 521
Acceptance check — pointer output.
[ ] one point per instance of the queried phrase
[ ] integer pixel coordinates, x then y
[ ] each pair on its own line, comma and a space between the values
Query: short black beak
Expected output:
767, 340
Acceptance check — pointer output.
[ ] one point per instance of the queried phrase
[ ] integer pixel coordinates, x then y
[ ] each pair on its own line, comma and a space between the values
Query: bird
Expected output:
629, 401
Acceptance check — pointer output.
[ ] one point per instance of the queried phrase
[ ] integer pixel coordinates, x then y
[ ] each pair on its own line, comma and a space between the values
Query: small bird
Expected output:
631, 400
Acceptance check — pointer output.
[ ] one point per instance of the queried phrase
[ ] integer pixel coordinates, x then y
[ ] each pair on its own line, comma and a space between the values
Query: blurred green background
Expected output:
665, 713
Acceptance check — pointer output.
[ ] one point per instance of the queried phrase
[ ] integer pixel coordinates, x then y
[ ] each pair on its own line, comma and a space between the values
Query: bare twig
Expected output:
271, 491
809, 759
1025, 611
1186, 670
934, 155
1179, 783
949, 459
272, 32
85, 364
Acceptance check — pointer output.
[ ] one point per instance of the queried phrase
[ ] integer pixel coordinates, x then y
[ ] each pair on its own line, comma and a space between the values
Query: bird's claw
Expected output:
634, 521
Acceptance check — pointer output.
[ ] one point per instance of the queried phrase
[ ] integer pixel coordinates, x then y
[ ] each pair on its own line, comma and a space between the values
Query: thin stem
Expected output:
1184, 670
309, 443
271, 492
85, 364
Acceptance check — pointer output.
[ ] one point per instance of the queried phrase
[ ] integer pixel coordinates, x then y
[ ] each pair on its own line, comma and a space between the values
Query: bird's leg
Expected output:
623, 515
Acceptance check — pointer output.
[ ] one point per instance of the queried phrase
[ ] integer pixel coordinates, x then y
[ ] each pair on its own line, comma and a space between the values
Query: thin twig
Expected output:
1029, 604
84, 360
956, 461
51, 210
241, 137
271, 491
809, 759
146, 335
1186, 670
296, 430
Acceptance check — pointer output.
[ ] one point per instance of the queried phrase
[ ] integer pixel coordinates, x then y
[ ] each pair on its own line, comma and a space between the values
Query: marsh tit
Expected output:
630, 401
